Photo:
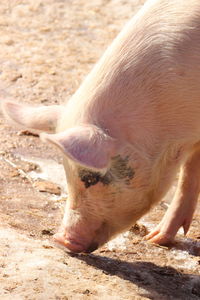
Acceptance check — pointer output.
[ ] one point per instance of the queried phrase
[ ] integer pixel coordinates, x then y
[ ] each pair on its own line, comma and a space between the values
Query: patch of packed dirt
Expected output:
46, 49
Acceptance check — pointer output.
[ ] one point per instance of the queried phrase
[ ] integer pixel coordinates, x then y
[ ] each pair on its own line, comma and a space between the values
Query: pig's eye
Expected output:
91, 178
119, 171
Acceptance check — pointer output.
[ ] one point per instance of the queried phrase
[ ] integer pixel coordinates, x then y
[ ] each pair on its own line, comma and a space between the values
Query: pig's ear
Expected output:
42, 118
87, 145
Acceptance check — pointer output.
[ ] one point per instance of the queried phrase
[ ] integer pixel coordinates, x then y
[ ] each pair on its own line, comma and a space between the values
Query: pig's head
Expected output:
105, 193
108, 183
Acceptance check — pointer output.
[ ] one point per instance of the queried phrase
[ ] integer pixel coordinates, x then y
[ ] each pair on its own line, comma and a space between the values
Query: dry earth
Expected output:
46, 49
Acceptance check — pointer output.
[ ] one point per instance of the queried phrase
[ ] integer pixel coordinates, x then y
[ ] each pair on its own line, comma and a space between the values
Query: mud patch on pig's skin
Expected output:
119, 171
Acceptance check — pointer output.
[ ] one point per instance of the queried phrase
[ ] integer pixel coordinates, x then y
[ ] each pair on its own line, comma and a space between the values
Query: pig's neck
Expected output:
117, 95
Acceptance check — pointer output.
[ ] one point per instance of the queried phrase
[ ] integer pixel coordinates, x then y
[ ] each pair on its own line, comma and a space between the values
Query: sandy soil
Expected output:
46, 49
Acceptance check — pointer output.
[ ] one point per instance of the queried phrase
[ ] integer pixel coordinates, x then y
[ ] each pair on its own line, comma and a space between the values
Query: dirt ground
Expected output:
46, 49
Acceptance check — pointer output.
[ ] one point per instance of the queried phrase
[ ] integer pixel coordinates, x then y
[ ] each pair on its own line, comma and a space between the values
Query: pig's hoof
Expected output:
159, 237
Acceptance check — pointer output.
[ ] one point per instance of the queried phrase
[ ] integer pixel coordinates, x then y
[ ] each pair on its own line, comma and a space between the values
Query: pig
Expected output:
132, 125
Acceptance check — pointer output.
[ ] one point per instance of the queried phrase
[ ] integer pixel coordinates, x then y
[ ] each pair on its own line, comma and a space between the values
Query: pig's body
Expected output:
129, 127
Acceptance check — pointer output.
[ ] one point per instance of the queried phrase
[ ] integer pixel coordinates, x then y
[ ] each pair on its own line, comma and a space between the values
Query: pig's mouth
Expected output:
74, 246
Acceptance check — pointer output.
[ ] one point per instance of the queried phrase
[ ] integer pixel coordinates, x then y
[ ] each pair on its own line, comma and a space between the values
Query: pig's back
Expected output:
152, 67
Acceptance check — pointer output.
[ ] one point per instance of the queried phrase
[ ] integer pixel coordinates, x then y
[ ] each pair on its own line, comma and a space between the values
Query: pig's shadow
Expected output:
189, 245
158, 282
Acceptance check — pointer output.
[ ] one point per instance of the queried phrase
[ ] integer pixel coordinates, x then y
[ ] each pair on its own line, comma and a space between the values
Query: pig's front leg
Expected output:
181, 210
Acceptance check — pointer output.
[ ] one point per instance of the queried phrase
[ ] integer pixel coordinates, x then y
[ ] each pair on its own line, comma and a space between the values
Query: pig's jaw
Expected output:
87, 241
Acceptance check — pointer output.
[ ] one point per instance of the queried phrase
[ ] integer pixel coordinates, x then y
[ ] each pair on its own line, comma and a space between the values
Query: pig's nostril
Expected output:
92, 247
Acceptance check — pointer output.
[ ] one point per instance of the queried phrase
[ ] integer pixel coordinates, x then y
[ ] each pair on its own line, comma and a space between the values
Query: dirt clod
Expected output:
47, 186
139, 229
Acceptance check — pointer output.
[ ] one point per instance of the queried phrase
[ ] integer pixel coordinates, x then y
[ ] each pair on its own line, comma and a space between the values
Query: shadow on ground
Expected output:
190, 245
159, 282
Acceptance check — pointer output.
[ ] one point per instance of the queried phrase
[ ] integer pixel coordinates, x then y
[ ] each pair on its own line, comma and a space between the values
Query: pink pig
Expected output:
134, 121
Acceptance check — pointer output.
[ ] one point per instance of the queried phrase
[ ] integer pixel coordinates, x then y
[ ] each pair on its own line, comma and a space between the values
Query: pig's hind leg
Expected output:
180, 212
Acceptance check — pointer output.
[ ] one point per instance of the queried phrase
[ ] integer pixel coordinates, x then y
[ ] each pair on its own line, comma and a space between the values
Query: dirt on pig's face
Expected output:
119, 171
101, 204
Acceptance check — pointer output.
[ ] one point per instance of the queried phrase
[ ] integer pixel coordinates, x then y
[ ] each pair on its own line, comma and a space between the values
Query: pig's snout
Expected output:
75, 246
81, 236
